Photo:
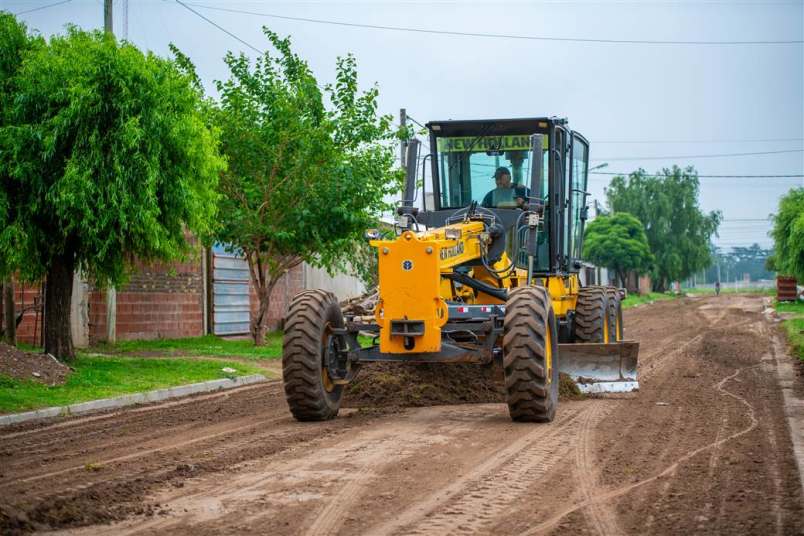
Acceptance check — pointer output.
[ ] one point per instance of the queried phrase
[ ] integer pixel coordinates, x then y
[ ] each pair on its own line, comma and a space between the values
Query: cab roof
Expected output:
492, 127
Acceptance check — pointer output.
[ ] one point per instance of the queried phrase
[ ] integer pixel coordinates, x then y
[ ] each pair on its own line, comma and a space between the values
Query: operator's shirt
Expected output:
504, 197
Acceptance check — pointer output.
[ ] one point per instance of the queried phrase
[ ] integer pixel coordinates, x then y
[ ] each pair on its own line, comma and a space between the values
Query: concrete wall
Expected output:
344, 286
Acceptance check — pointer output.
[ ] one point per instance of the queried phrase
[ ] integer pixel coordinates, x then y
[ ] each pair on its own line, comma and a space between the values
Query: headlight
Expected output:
452, 234
372, 234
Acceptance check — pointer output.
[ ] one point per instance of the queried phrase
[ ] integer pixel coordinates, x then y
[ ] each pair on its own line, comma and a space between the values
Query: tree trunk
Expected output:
9, 313
258, 322
58, 297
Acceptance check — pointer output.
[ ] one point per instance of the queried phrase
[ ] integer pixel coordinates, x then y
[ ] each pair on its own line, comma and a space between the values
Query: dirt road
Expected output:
703, 448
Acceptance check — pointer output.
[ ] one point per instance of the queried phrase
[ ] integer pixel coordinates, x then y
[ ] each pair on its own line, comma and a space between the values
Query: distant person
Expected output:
717, 288
506, 194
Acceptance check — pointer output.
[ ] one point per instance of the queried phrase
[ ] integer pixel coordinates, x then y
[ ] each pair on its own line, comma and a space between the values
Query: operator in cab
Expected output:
506, 194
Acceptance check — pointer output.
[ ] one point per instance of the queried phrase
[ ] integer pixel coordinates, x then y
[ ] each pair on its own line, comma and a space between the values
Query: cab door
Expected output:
578, 193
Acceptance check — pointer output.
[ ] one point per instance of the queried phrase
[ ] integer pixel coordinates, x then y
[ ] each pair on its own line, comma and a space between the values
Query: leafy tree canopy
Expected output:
15, 42
104, 156
618, 242
788, 235
304, 180
734, 263
678, 231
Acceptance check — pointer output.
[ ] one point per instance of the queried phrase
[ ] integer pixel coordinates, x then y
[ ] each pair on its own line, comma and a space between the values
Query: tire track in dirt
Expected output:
148, 452
142, 427
474, 500
600, 516
117, 439
75, 424
488, 502
318, 470
550, 523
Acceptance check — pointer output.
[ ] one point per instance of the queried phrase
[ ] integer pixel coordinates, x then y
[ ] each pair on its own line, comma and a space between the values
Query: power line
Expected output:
767, 140
221, 28
621, 159
496, 36
42, 7
626, 173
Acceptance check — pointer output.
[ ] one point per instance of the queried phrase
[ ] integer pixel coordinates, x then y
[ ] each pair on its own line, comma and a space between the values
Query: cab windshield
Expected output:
492, 170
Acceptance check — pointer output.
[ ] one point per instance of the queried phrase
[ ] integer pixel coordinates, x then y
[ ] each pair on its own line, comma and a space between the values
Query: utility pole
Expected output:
111, 292
403, 122
124, 19
107, 17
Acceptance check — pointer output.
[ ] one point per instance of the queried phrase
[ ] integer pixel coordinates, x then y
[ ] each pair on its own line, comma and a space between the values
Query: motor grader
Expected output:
491, 272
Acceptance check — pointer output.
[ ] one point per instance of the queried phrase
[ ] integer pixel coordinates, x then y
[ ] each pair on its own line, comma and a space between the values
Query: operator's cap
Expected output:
502, 170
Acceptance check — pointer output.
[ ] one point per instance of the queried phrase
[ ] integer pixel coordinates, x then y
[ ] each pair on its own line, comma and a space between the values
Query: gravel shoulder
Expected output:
704, 447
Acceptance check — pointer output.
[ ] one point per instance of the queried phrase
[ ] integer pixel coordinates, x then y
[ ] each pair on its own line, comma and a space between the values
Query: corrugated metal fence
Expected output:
230, 291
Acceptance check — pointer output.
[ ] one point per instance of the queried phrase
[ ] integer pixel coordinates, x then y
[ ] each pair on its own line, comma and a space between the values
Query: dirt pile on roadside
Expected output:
21, 365
388, 385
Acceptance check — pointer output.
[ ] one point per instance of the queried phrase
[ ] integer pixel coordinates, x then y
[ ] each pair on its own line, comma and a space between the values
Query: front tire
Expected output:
591, 315
310, 393
530, 355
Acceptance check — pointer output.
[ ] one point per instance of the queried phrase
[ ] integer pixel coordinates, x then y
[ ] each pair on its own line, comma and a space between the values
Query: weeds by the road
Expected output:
632, 300
104, 377
794, 325
208, 345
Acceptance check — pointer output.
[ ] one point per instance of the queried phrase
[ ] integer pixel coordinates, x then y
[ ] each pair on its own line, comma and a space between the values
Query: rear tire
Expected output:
309, 392
615, 314
530, 355
591, 315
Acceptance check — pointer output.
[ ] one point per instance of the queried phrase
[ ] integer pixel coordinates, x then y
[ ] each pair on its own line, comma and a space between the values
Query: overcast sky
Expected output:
632, 101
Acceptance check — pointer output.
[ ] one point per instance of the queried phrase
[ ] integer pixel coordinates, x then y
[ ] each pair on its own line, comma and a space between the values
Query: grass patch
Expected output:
633, 300
794, 326
767, 291
104, 377
208, 345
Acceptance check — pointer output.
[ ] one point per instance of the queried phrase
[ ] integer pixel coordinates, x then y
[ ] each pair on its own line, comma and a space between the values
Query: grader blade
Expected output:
601, 368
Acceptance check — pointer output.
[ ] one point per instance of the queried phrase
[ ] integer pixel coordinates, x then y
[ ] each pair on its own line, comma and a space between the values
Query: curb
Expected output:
129, 400
792, 405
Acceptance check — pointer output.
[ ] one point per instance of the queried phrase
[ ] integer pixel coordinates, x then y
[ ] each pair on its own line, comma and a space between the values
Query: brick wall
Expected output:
159, 301
26, 295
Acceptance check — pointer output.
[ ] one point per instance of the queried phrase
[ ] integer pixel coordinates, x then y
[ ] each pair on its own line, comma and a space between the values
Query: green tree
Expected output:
15, 42
788, 235
618, 242
105, 157
678, 232
304, 181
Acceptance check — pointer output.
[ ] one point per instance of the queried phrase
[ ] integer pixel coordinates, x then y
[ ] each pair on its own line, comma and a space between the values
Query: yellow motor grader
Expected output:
491, 272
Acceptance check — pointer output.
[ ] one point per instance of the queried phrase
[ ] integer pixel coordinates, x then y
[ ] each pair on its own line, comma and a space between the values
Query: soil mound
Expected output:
381, 385
21, 365
388, 385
